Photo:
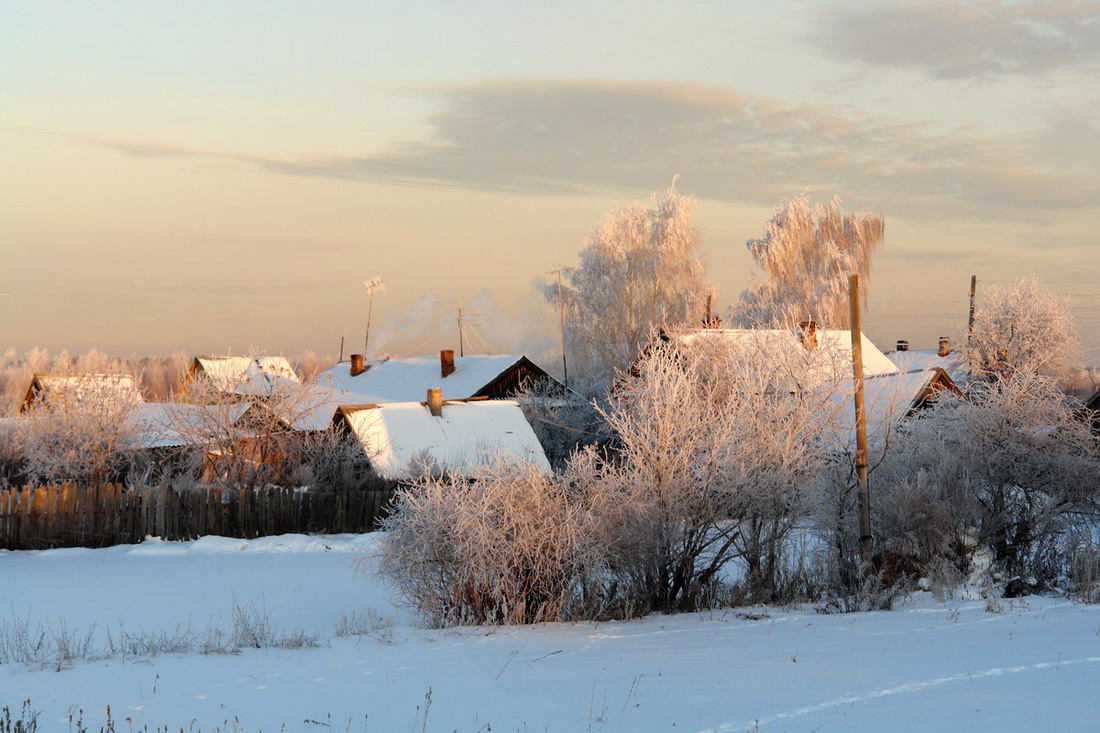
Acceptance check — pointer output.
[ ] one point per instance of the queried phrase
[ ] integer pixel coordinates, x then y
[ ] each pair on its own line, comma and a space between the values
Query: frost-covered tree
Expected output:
1012, 466
639, 270
721, 442
1024, 326
250, 427
79, 432
806, 255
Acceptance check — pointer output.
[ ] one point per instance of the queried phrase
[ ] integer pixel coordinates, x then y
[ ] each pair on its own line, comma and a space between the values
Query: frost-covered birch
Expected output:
1023, 326
806, 255
639, 271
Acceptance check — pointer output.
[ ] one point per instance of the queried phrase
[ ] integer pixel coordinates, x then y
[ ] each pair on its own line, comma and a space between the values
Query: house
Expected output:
402, 438
407, 379
891, 398
122, 387
247, 376
890, 394
807, 336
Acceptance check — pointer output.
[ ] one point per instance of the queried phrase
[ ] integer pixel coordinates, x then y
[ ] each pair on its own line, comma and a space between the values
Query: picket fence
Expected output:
35, 518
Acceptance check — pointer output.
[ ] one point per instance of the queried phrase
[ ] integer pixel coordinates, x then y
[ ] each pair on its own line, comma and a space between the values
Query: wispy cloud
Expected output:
958, 39
580, 136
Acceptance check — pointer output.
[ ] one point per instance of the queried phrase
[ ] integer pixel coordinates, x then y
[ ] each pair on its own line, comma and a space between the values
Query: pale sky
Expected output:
222, 176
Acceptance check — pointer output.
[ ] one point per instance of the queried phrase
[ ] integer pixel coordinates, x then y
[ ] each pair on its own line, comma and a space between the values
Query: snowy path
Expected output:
930, 666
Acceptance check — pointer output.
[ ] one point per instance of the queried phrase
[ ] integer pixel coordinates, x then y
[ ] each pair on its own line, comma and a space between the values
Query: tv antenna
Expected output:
372, 286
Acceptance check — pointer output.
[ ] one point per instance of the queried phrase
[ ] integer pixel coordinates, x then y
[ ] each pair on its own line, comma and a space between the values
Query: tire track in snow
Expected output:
893, 690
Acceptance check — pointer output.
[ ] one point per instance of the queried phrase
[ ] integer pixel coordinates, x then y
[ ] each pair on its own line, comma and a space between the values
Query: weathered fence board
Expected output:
34, 518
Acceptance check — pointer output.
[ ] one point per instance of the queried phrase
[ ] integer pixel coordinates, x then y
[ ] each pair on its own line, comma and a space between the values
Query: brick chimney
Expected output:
446, 363
903, 345
809, 334
357, 365
435, 401
945, 346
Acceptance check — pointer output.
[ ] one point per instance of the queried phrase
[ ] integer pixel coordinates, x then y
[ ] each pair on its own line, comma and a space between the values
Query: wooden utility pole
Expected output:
862, 463
973, 292
561, 309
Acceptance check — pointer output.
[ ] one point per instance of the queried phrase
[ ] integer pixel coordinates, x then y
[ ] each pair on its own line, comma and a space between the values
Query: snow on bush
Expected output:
1010, 469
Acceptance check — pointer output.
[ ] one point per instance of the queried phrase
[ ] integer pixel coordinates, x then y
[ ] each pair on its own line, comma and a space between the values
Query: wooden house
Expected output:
79, 387
408, 379
400, 439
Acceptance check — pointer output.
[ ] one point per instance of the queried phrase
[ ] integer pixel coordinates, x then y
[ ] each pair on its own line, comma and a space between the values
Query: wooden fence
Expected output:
34, 518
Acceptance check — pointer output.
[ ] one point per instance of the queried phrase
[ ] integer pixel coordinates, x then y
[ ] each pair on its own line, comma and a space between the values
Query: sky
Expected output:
220, 177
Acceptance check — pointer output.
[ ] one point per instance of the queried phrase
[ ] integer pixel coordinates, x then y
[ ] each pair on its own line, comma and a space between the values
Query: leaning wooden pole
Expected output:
862, 464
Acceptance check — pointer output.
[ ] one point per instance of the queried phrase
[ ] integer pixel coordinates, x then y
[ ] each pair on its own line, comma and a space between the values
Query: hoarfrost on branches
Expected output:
806, 255
1026, 327
640, 270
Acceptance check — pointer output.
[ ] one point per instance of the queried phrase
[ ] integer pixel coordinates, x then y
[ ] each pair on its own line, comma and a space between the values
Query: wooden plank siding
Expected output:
42, 517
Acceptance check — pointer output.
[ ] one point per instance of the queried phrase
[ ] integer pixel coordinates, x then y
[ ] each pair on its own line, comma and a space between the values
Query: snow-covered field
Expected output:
927, 666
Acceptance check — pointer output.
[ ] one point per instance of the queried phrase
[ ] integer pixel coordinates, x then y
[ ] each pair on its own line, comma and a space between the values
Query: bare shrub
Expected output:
502, 545
721, 444
1083, 567
331, 460
367, 622
80, 432
26, 722
1011, 462
562, 420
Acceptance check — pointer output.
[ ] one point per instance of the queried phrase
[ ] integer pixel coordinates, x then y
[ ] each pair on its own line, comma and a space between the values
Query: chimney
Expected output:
435, 401
903, 345
945, 346
446, 362
357, 365
809, 334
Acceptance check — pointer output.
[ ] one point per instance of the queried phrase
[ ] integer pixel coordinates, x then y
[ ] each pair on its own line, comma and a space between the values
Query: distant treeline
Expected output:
159, 376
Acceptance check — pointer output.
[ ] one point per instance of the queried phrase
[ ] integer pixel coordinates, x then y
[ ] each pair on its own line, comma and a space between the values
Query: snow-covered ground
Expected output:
927, 666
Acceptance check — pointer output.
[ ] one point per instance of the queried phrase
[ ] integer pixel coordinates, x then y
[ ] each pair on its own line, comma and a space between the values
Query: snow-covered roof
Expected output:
168, 425
917, 359
399, 436
409, 379
874, 361
82, 386
245, 375
888, 399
